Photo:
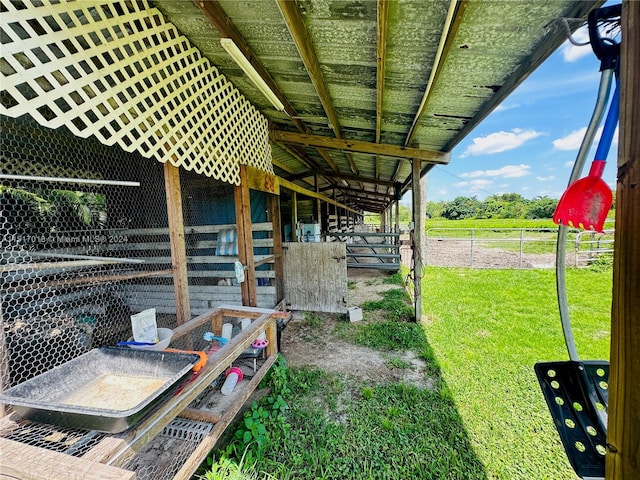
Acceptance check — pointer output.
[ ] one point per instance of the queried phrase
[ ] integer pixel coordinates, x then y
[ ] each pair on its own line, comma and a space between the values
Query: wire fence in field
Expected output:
511, 247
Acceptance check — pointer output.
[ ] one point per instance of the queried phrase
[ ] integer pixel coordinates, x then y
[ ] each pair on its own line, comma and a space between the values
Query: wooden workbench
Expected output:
115, 456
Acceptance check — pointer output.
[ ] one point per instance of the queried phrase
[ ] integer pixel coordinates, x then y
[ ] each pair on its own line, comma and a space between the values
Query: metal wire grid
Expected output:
66, 253
164, 456
58, 439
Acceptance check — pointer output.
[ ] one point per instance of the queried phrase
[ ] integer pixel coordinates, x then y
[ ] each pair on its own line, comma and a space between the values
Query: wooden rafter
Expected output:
297, 28
359, 146
358, 192
541, 53
284, 183
358, 178
382, 16
451, 25
219, 19
382, 13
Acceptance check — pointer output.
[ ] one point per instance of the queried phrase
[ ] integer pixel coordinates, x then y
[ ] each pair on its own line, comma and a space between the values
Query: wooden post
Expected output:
273, 205
176, 238
318, 203
338, 220
294, 217
398, 218
418, 232
623, 431
245, 239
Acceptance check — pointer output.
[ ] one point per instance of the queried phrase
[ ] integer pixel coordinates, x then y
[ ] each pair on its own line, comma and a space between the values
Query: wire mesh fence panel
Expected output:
67, 206
496, 247
86, 243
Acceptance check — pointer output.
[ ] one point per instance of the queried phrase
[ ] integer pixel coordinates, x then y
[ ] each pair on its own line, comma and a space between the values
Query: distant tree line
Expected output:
506, 205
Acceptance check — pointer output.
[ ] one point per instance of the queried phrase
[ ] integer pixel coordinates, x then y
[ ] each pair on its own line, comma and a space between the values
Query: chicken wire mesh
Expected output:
69, 212
86, 243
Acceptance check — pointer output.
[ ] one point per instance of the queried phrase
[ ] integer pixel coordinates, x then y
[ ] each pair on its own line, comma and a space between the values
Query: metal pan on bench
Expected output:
106, 389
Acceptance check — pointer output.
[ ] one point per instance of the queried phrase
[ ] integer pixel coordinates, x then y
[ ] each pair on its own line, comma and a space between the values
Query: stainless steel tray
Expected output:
106, 389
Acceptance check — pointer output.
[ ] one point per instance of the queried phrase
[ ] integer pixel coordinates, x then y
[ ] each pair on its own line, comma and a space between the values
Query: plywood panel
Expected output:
315, 276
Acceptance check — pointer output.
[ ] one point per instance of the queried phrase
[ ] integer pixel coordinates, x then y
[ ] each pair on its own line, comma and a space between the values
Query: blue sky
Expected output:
529, 143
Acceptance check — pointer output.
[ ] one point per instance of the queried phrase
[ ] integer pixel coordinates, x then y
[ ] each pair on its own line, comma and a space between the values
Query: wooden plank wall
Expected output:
205, 270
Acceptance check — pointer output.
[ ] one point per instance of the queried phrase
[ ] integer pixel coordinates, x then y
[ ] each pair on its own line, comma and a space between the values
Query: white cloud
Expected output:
474, 187
571, 141
500, 142
508, 171
571, 52
574, 139
503, 108
545, 179
569, 163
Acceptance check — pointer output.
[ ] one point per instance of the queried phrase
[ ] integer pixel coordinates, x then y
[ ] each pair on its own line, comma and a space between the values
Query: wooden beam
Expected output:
242, 200
623, 431
449, 30
358, 146
309, 193
294, 216
408, 182
177, 241
364, 192
26, 462
221, 21
382, 15
549, 45
355, 178
295, 24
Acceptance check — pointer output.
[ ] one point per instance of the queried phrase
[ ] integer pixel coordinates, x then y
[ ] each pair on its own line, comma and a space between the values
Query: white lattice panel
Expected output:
119, 71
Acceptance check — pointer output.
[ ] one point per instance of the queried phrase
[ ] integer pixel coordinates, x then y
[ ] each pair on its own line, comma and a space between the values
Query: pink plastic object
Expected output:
233, 376
260, 343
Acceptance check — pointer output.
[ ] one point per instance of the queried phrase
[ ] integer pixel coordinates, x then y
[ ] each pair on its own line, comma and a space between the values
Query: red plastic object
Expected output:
586, 202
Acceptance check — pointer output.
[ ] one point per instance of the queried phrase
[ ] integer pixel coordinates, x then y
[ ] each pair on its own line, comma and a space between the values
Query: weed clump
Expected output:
393, 303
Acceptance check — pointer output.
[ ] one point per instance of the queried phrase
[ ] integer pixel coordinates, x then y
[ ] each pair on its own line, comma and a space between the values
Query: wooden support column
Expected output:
294, 216
318, 202
623, 431
338, 220
245, 239
398, 218
176, 237
418, 233
273, 205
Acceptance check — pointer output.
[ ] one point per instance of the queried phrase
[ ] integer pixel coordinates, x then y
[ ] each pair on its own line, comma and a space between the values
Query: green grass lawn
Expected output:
482, 417
487, 329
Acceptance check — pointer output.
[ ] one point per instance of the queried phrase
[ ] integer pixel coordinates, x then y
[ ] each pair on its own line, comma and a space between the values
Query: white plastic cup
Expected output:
227, 330
234, 375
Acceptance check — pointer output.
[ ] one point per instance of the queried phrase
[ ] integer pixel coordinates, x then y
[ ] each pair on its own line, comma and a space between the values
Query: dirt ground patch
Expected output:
310, 339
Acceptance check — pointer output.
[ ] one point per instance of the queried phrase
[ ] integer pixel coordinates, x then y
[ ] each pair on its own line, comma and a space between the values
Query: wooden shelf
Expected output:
114, 455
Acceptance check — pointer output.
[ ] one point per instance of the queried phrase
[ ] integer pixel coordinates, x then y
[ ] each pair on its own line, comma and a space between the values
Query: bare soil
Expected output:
313, 342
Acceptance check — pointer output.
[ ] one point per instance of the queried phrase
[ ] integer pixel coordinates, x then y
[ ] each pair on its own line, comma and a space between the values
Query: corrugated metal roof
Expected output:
445, 64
